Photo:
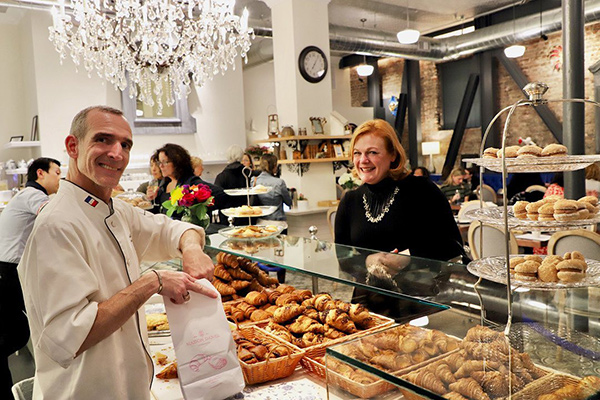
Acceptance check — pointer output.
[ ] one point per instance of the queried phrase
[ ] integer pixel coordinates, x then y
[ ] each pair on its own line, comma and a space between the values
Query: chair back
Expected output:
583, 241
494, 241
468, 206
331, 221
487, 193
536, 188
23, 390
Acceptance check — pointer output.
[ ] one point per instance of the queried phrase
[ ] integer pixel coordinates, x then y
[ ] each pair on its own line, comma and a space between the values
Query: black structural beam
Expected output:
401, 115
488, 98
413, 79
460, 125
521, 80
374, 90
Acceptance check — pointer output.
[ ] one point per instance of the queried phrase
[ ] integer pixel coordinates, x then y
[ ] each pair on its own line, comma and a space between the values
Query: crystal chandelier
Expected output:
161, 46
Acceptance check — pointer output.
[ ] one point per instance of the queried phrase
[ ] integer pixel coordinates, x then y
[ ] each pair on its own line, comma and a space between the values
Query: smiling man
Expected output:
80, 271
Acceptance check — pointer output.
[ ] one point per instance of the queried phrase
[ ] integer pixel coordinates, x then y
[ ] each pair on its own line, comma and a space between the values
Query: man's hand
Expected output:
195, 261
177, 285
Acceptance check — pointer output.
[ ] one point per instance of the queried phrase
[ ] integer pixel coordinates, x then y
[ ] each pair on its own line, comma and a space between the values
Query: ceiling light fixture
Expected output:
365, 69
162, 46
408, 36
516, 50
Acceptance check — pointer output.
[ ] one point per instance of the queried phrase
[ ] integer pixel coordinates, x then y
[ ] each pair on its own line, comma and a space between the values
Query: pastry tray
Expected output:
495, 216
494, 269
230, 232
537, 164
251, 191
235, 211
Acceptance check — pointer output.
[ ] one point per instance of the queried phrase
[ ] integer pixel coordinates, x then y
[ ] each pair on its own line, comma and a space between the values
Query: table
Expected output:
532, 240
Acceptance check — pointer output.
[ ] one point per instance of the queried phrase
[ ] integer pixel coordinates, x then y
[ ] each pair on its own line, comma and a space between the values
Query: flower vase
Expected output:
193, 219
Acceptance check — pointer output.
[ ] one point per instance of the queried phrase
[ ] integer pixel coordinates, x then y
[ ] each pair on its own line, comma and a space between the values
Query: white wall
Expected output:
259, 99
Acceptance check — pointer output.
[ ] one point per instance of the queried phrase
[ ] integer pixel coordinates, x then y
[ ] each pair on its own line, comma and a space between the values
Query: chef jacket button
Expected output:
112, 224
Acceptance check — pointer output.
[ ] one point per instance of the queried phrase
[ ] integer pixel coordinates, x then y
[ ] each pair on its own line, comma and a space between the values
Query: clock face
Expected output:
312, 64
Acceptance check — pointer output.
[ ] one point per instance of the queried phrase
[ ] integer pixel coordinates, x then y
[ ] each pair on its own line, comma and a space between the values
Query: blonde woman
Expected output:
454, 188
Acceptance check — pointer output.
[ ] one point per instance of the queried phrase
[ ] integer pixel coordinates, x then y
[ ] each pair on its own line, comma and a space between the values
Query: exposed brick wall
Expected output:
536, 64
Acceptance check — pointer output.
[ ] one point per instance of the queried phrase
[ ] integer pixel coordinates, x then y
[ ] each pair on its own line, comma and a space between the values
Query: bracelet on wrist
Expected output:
160, 284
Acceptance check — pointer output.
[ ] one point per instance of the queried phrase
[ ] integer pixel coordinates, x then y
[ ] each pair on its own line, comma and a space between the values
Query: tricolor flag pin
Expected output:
91, 201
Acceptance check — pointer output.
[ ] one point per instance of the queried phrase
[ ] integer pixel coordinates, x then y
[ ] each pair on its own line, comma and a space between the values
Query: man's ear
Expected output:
40, 173
72, 146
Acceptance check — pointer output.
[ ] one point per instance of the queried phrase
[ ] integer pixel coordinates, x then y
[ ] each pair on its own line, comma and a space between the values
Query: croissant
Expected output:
273, 295
342, 305
221, 272
470, 366
310, 302
332, 333
493, 382
455, 360
255, 286
589, 385
265, 280
271, 309
228, 259
407, 344
223, 288
239, 285
469, 387
287, 298
419, 355
257, 299
287, 312
321, 299
391, 361
279, 350
482, 334
428, 380
340, 367
250, 267
311, 339
385, 341
246, 308
246, 355
283, 288
443, 372
361, 377
311, 312
237, 273
169, 372
303, 324
358, 313
339, 320
454, 396
259, 315
430, 347
366, 351
237, 315
303, 294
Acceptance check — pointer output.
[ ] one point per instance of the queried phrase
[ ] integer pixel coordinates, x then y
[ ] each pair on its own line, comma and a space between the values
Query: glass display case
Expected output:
557, 330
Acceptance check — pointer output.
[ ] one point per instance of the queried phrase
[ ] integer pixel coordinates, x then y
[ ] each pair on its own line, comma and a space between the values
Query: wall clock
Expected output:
312, 64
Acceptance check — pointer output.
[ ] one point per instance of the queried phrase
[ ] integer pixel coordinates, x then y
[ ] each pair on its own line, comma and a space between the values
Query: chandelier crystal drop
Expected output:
161, 46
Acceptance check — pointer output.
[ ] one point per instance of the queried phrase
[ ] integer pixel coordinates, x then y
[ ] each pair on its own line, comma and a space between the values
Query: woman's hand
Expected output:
151, 192
455, 198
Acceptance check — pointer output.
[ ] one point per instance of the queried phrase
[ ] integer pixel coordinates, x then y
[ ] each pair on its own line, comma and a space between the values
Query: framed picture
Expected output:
16, 138
338, 150
317, 125
34, 129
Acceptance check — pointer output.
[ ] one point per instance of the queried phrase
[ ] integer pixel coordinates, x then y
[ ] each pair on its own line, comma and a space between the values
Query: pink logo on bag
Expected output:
216, 362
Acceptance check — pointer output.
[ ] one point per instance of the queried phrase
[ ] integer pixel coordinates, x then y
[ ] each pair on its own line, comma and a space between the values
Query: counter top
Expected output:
313, 210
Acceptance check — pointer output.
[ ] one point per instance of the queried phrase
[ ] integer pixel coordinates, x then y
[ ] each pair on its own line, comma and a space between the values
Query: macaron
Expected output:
529, 151
593, 200
519, 209
548, 272
527, 267
554, 150
516, 261
511, 152
582, 210
571, 270
566, 210
490, 152
533, 257
533, 209
546, 212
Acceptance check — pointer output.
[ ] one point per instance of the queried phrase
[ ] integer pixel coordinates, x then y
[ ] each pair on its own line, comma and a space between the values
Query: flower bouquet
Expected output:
192, 202
348, 181
257, 151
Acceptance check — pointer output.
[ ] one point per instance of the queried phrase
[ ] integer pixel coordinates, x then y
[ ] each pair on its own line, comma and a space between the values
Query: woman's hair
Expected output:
234, 153
592, 171
384, 130
268, 163
457, 171
424, 170
182, 162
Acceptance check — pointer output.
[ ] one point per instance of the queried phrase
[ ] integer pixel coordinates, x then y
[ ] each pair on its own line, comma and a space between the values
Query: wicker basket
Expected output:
545, 385
271, 368
364, 391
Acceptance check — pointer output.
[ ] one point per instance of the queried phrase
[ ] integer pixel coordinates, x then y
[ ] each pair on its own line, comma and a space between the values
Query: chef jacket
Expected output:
81, 252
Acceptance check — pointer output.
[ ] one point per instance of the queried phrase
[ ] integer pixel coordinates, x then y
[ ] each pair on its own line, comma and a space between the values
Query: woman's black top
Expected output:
221, 199
419, 219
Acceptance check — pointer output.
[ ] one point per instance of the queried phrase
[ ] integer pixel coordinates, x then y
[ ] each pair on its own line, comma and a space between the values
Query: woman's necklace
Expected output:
380, 208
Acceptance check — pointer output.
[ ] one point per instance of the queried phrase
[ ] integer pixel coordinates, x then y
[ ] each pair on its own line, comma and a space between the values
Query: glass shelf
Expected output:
495, 216
536, 164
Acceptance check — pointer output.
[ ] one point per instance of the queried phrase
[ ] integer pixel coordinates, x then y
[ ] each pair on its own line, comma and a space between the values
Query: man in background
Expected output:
16, 223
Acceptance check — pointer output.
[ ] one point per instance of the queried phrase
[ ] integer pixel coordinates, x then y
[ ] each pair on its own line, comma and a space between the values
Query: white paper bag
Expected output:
207, 362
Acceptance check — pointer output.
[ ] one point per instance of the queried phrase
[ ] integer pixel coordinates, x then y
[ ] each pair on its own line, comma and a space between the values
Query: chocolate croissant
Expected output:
288, 298
339, 320
287, 313
321, 300
303, 324
257, 299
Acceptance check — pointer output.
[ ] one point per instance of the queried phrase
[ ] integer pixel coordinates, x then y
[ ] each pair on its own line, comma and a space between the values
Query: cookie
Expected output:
548, 273
533, 257
527, 267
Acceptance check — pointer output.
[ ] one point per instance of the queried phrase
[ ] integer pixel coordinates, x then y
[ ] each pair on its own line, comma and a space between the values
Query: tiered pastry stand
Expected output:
248, 191
489, 268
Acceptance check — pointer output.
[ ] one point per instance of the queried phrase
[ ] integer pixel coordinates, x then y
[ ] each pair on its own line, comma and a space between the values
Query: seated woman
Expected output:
453, 187
421, 171
176, 167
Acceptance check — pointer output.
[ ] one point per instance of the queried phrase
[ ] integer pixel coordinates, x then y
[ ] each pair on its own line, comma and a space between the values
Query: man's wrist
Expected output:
160, 283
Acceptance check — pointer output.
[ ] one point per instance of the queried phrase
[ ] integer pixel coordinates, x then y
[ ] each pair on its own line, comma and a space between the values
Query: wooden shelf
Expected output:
14, 145
313, 160
308, 137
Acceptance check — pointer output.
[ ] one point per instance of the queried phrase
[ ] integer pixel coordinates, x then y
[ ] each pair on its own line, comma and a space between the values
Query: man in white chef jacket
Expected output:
80, 271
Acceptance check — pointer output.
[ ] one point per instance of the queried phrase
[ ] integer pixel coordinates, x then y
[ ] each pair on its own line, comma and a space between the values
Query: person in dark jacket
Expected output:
232, 177
176, 167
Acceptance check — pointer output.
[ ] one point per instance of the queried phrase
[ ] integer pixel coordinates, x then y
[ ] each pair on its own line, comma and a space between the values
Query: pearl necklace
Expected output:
384, 209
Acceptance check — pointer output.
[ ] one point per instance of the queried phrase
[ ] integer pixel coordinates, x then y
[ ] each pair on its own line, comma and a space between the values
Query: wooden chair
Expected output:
536, 188
331, 221
583, 241
468, 206
494, 241
487, 193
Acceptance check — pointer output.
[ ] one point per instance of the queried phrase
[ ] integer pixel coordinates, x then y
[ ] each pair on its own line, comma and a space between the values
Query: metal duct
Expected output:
346, 40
